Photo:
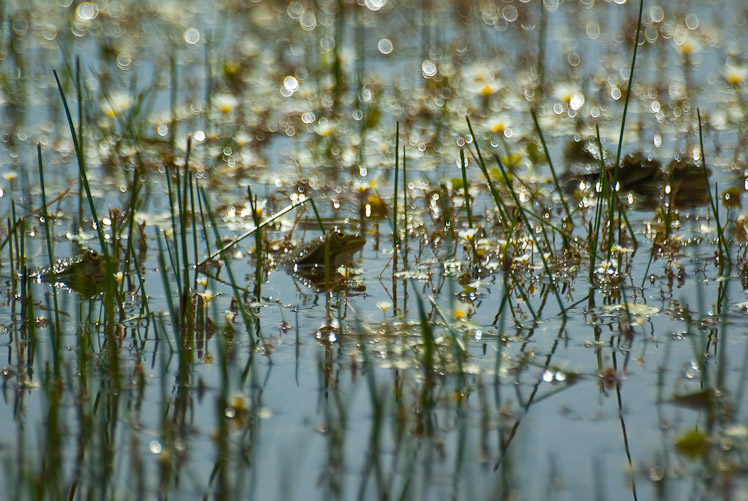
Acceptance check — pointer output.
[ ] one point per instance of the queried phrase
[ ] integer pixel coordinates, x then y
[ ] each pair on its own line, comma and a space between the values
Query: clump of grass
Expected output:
237, 291
531, 232
110, 289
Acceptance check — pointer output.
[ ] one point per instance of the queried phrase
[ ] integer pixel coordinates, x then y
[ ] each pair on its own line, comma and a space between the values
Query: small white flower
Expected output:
225, 103
117, 103
736, 75
384, 305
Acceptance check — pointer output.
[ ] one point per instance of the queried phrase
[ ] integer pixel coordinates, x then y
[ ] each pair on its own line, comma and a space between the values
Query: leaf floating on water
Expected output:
737, 431
697, 400
415, 275
743, 306
640, 313
693, 444
473, 369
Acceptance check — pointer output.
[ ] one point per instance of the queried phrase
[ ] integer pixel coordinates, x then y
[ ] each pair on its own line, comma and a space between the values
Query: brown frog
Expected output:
334, 249
83, 274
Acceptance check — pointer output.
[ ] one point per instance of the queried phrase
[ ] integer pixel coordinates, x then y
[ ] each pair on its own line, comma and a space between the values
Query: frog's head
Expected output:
342, 246
91, 264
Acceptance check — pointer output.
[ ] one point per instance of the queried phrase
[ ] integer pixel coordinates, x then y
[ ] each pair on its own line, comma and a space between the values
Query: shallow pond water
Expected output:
550, 337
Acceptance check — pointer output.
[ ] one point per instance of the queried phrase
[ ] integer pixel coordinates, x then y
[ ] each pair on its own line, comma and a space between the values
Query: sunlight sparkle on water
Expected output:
191, 36
385, 46
308, 21
155, 447
696, 154
428, 68
375, 5
87, 11
290, 85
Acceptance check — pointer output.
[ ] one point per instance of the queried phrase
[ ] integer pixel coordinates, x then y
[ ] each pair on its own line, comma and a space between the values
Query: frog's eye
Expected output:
94, 255
339, 235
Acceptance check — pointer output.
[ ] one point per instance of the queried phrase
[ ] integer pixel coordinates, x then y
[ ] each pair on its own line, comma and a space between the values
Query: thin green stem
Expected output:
550, 165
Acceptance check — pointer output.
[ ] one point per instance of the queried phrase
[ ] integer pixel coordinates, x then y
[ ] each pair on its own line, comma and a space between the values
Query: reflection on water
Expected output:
534, 302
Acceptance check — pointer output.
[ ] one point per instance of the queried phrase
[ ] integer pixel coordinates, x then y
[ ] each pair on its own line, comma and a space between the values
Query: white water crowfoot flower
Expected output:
735, 75
500, 124
116, 104
570, 95
225, 103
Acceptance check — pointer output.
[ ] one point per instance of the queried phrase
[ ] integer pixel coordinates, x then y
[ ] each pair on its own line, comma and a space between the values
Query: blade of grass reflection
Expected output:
504, 447
619, 400
27, 301
460, 351
500, 333
426, 398
722, 304
663, 371
373, 461
297, 348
